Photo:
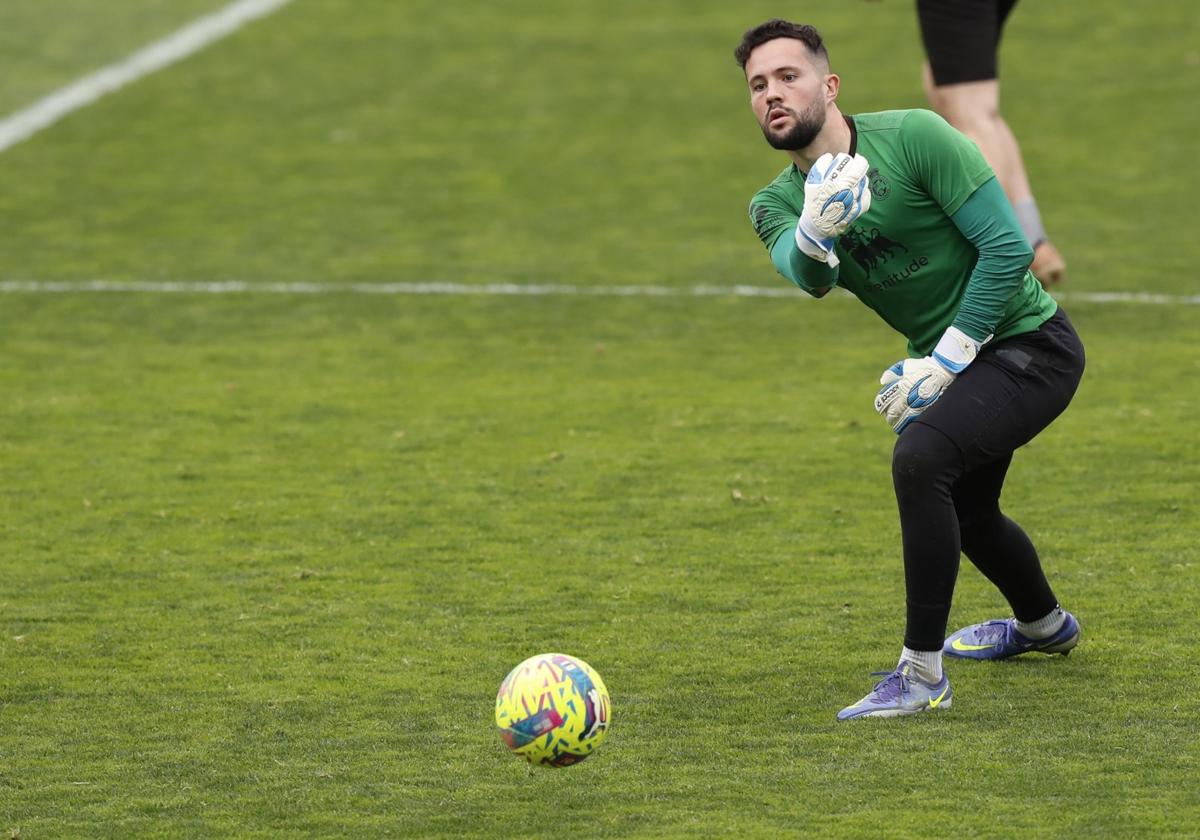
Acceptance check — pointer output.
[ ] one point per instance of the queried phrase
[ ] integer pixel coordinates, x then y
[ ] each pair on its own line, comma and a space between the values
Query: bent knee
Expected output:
971, 106
979, 525
924, 456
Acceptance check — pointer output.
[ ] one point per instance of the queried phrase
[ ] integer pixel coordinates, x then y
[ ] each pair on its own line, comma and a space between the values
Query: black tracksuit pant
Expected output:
949, 465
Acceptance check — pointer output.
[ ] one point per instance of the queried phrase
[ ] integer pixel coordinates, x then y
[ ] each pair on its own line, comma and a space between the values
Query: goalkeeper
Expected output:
902, 211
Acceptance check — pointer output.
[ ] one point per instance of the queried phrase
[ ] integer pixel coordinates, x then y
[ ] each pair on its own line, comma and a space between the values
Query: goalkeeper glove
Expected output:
912, 385
836, 193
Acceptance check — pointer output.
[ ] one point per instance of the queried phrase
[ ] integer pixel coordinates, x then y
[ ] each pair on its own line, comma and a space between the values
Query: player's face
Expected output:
788, 92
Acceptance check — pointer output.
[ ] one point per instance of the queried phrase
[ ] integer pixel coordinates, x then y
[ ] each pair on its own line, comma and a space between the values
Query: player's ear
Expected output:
832, 85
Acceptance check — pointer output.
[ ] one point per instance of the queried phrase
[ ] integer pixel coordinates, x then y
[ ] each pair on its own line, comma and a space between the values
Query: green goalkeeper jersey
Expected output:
906, 257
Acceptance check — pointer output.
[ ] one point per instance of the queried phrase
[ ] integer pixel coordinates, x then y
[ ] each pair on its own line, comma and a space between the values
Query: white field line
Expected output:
190, 39
241, 287
204, 31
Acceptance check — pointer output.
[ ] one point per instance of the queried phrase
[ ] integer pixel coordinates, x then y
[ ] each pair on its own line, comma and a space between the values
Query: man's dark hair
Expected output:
776, 28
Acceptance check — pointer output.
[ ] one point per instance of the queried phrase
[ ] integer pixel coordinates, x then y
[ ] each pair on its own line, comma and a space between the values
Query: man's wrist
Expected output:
955, 350
812, 244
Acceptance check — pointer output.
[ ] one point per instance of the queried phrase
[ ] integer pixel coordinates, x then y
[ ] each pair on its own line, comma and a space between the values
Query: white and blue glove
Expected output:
836, 193
912, 385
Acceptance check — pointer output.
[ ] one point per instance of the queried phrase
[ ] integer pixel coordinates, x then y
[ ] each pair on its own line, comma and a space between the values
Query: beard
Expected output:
806, 127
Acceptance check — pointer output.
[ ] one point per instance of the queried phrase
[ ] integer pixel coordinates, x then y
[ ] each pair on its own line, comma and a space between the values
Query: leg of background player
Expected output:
974, 109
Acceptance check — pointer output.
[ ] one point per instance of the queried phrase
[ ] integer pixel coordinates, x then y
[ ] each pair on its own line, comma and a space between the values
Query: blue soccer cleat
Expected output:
1000, 639
900, 693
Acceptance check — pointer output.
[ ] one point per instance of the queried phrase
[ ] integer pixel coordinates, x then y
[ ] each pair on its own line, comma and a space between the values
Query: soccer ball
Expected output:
553, 709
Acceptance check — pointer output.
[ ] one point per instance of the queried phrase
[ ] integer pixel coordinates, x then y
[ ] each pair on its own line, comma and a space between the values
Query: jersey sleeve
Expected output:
771, 216
987, 220
774, 220
945, 161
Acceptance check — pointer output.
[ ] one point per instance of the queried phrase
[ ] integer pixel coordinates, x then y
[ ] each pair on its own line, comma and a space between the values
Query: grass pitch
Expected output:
266, 558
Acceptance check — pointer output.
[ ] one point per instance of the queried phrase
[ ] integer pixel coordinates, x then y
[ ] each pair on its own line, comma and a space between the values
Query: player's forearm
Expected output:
812, 276
988, 221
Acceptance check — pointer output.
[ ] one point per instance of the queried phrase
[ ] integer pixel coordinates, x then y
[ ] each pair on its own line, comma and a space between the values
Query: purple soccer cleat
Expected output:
1000, 639
900, 693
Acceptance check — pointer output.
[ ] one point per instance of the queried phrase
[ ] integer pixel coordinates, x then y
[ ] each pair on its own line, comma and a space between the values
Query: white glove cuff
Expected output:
955, 350
812, 244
